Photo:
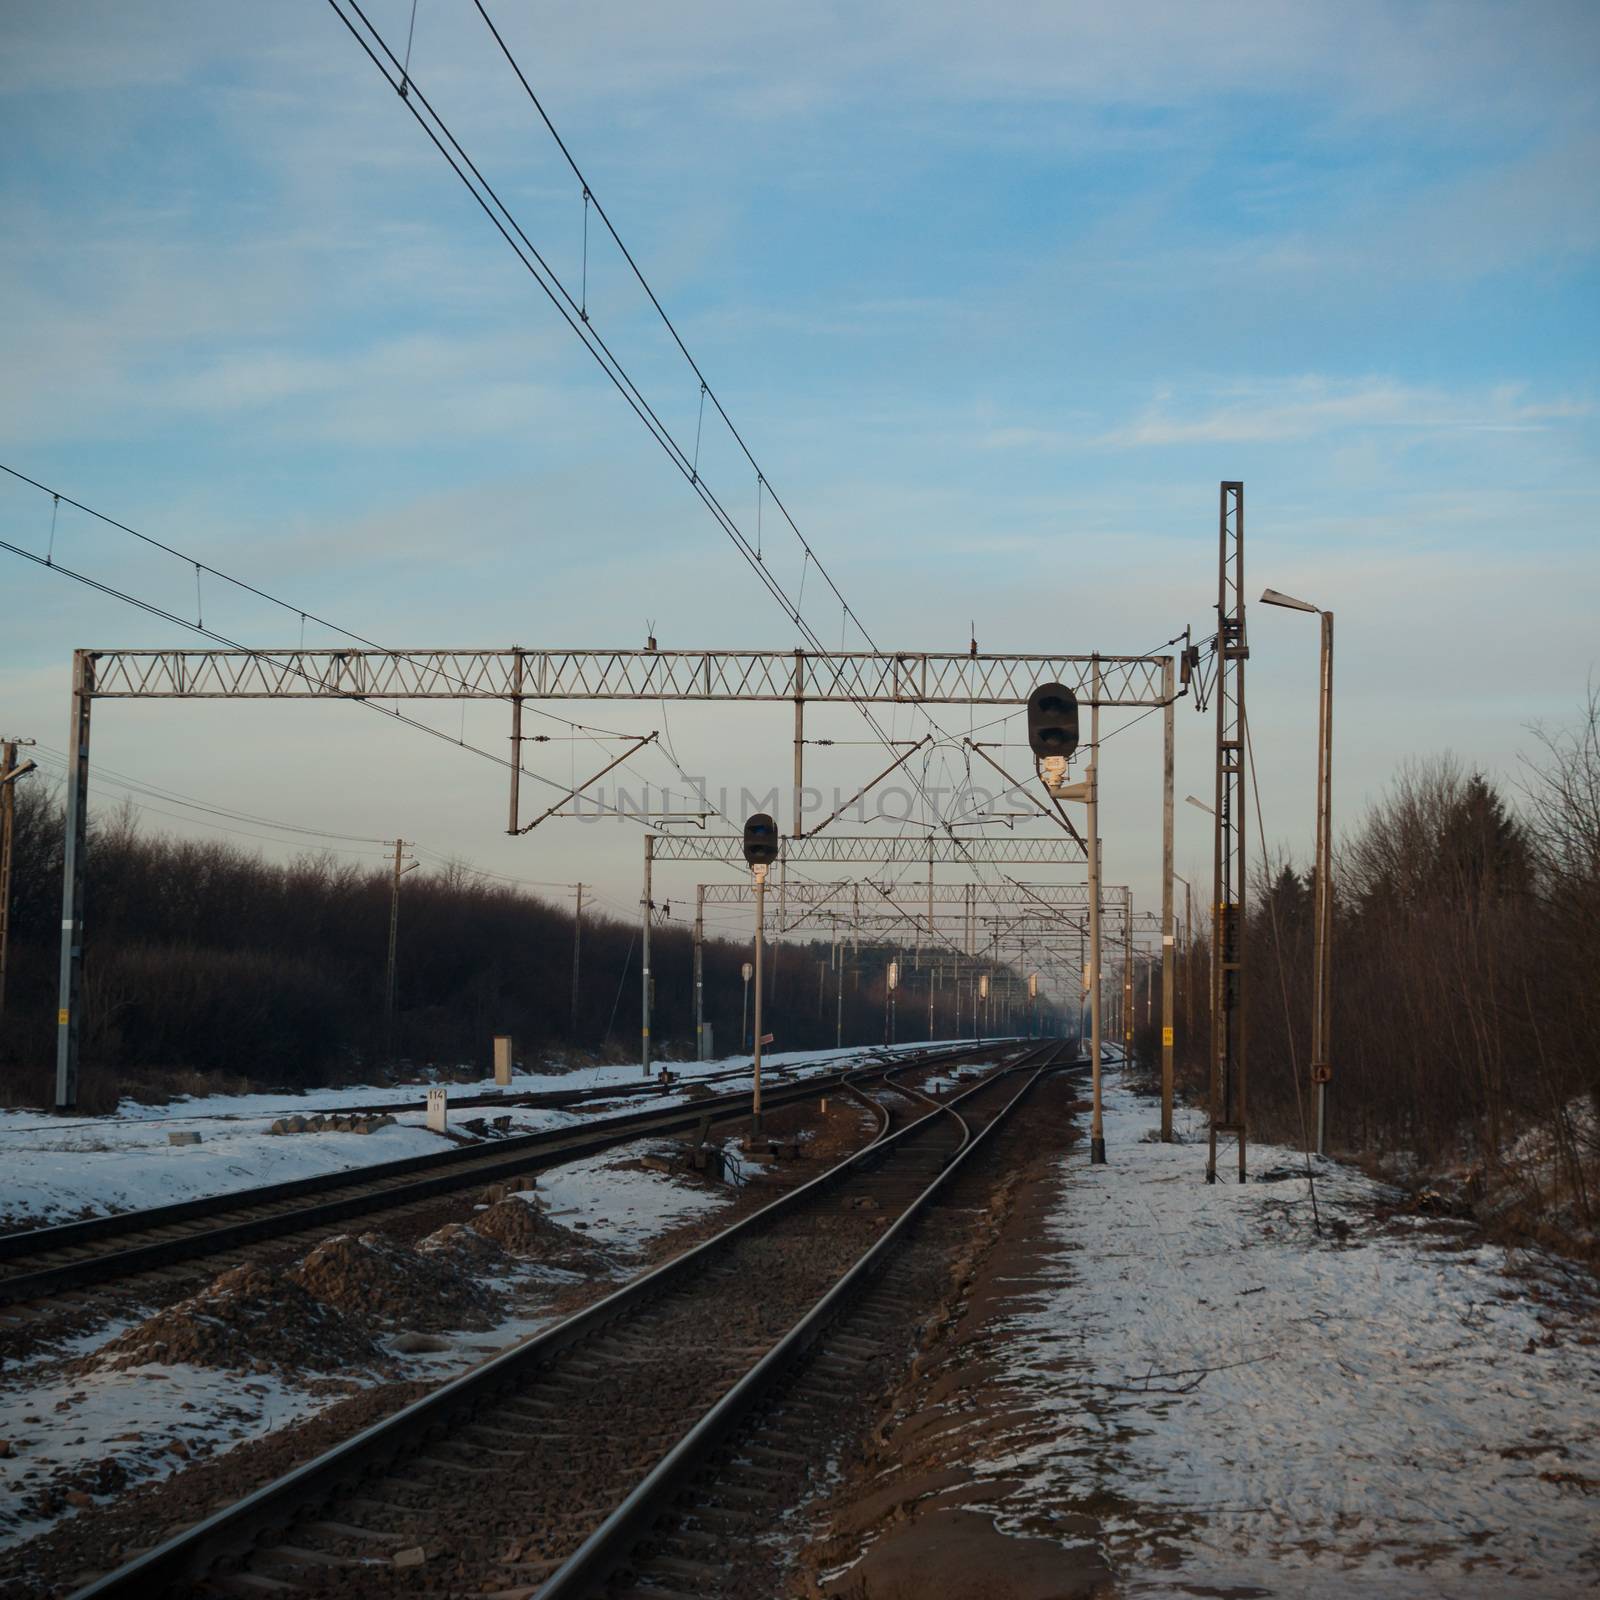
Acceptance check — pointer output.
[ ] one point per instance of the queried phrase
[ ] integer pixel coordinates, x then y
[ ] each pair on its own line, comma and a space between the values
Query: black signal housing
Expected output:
1053, 720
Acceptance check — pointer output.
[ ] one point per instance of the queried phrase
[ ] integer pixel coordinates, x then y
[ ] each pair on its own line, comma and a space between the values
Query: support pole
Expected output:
1169, 963
516, 742
1127, 979
1228, 1103
577, 953
1097, 1133
838, 1016
8, 825
1322, 996
799, 738
394, 950
644, 977
761, 920
77, 835
699, 971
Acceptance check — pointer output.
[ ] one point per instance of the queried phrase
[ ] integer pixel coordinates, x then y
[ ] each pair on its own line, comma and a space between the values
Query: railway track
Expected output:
44, 1264
538, 1471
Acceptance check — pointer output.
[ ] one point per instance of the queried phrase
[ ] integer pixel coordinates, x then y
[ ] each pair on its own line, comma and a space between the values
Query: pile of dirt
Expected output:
467, 1251
519, 1227
383, 1281
250, 1319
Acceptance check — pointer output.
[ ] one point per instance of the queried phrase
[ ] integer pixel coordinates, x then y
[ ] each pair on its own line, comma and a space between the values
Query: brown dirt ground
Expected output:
387, 1283
121, 1521
251, 1319
901, 1517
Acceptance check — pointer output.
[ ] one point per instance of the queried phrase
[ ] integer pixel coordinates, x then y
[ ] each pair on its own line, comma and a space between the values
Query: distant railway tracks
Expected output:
44, 1264
618, 1442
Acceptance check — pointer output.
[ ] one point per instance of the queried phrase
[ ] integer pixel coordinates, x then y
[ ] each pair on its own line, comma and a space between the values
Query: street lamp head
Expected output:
1271, 597
1199, 804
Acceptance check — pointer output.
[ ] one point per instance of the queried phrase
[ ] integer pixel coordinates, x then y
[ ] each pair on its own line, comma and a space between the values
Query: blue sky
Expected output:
996, 297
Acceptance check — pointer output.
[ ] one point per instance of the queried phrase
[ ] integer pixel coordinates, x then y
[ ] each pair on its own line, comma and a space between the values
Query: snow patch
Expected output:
1241, 1402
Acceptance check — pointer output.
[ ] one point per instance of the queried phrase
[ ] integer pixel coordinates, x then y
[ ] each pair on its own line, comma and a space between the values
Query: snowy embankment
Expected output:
74, 1432
55, 1169
1384, 1409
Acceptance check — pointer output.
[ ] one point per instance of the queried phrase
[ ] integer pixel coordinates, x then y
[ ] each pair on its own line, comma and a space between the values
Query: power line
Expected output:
278, 658
580, 321
122, 780
762, 481
58, 499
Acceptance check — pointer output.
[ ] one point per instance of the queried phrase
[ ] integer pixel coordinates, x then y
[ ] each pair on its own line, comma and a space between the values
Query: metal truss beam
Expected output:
880, 849
801, 892
847, 677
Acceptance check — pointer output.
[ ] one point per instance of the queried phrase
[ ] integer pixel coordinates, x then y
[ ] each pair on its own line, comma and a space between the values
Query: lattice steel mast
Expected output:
1227, 972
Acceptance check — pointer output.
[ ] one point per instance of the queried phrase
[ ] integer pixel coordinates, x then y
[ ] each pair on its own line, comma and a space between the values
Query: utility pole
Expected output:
699, 972
70, 989
1228, 860
760, 851
1322, 913
645, 992
1169, 954
9, 773
1322, 999
1091, 778
1127, 984
401, 868
577, 950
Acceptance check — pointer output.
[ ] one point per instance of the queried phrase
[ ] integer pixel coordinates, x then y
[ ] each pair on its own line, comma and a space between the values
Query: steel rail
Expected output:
592, 1564
187, 1556
379, 1187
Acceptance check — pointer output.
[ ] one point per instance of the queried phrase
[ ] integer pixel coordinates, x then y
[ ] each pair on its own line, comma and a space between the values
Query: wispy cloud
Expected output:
1271, 411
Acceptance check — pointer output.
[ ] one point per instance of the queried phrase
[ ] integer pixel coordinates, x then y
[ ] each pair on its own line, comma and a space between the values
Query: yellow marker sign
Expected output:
1166, 1036
61, 1018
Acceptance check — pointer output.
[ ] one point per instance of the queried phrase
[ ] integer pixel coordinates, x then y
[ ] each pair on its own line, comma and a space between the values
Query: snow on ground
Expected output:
1242, 1403
146, 1422
48, 1176
54, 1170
62, 1426
620, 1206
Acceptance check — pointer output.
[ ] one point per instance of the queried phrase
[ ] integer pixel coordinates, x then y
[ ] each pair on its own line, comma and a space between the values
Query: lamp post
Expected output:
1322, 910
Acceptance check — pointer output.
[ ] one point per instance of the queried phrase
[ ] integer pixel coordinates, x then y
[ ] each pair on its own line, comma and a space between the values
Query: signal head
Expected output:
760, 840
1053, 720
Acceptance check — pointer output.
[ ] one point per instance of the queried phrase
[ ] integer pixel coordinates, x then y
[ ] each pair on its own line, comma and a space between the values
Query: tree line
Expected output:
204, 962
1466, 1013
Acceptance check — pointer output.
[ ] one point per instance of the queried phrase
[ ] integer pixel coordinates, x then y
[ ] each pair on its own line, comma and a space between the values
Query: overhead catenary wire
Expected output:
277, 657
372, 43
58, 498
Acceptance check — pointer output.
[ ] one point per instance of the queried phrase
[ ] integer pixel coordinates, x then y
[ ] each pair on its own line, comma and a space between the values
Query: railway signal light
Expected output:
1053, 730
760, 850
760, 842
